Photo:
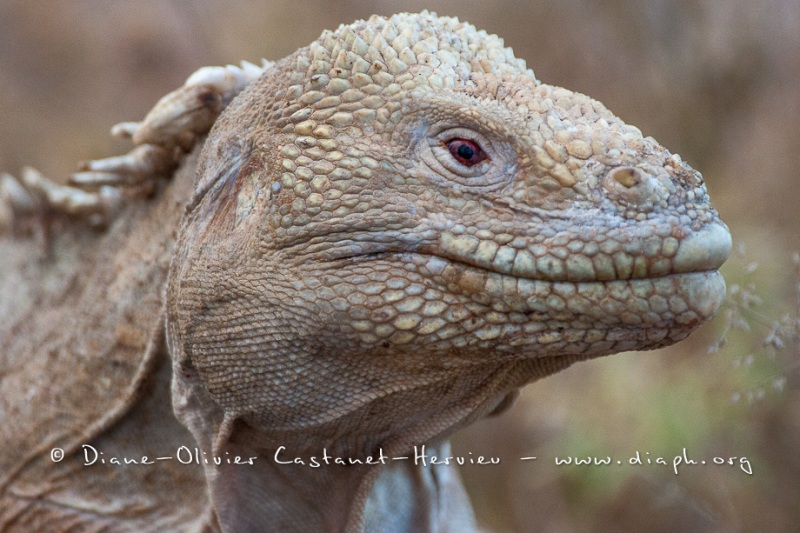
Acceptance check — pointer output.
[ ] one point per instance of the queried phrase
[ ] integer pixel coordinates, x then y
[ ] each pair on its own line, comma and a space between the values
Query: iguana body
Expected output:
387, 234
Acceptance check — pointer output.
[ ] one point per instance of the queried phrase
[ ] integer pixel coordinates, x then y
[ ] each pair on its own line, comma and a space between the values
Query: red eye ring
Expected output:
467, 152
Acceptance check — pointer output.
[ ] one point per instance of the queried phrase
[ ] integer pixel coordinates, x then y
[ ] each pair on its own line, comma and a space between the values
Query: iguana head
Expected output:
399, 224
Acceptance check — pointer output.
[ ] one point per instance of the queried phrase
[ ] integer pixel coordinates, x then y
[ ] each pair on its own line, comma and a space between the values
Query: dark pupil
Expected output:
465, 151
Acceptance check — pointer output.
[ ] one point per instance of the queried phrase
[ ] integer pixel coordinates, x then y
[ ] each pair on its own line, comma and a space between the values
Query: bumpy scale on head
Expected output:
358, 261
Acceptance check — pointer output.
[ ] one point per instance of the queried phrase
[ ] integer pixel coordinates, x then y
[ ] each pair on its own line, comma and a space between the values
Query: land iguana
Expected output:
381, 238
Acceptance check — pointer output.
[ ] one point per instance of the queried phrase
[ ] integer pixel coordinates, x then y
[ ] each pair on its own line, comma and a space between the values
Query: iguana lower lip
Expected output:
701, 251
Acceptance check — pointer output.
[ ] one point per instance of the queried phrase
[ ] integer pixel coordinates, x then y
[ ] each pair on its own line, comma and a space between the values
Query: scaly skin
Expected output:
390, 232
343, 281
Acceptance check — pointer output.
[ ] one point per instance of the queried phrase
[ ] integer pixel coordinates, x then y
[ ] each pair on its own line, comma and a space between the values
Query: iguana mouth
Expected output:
701, 251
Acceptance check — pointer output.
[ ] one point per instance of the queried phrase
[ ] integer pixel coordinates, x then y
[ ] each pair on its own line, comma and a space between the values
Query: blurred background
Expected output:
717, 82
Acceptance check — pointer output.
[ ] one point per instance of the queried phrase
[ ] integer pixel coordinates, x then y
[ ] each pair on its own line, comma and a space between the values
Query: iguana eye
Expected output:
467, 152
467, 156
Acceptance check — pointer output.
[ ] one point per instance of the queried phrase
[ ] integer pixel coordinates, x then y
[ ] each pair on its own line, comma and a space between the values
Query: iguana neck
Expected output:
397, 497
297, 482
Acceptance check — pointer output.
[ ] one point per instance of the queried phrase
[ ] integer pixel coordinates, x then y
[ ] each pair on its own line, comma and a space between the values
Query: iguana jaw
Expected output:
612, 303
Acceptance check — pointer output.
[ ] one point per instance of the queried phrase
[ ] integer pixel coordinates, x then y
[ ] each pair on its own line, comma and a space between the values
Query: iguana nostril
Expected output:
633, 187
626, 176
